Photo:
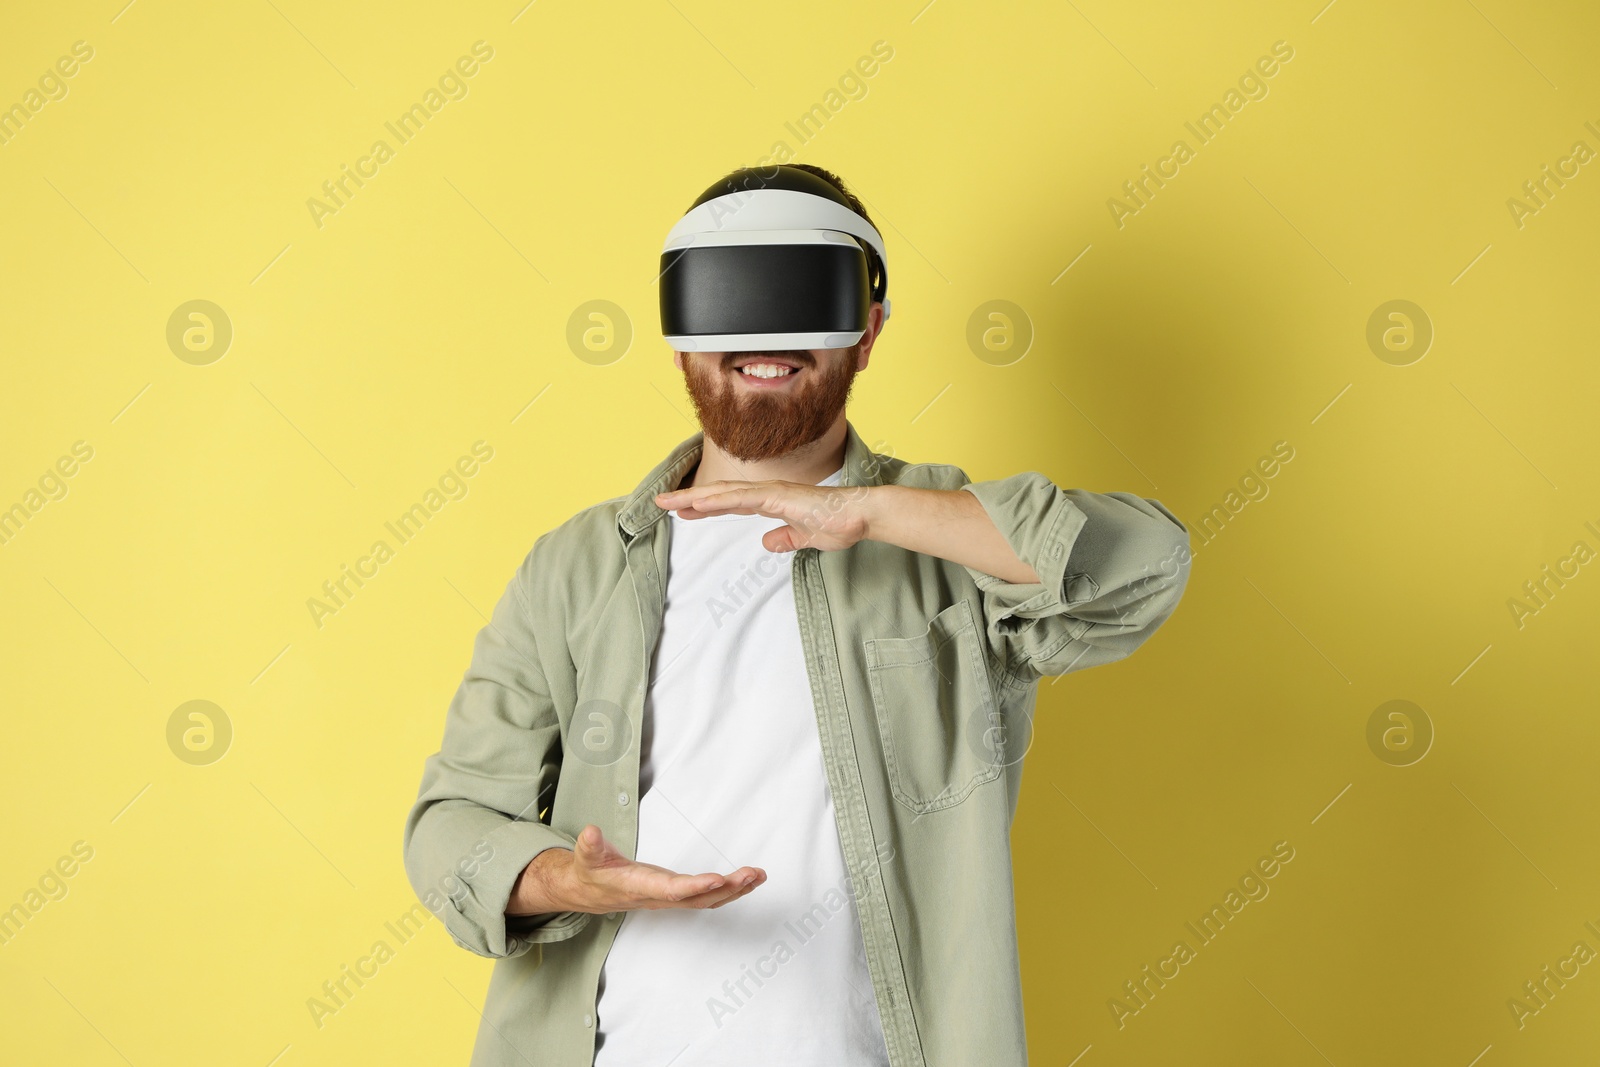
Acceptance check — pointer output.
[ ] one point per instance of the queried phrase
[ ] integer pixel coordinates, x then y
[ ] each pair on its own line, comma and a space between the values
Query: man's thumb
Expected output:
781, 539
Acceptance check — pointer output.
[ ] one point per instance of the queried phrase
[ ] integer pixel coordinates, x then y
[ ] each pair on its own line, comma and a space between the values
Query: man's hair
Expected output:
838, 183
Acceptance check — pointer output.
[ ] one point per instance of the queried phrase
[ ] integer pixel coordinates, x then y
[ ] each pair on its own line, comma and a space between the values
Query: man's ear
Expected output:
677, 359
875, 324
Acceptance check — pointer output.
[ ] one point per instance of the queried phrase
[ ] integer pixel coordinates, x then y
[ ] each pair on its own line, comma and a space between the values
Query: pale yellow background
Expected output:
427, 314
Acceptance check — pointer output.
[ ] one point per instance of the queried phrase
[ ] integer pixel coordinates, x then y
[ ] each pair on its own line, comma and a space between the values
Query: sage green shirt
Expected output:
924, 675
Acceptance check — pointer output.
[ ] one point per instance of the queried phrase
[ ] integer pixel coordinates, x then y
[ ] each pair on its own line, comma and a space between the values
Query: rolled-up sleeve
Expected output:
475, 823
1112, 567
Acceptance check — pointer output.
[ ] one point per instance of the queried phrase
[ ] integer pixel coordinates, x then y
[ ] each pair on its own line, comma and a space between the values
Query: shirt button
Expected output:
622, 798
588, 1020
1055, 550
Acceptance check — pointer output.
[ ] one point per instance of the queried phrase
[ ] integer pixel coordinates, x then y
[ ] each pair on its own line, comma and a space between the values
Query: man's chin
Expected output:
754, 440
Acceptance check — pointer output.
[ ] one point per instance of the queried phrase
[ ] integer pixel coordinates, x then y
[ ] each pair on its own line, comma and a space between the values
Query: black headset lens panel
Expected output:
764, 289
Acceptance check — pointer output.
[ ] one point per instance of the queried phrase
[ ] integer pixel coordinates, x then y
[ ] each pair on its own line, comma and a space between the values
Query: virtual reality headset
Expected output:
769, 260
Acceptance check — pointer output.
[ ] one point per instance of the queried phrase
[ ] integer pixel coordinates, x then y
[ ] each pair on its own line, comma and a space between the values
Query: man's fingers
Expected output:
644, 885
736, 888
723, 888
738, 498
742, 892
687, 886
686, 498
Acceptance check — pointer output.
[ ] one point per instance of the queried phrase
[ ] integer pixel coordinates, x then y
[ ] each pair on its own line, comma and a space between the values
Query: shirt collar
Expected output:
861, 467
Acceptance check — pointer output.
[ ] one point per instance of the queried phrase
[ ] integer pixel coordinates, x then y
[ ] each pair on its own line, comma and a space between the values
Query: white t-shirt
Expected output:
731, 774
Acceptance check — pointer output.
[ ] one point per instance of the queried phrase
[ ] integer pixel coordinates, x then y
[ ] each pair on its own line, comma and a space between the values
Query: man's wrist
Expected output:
904, 515
951, 524
537, 890
878, 506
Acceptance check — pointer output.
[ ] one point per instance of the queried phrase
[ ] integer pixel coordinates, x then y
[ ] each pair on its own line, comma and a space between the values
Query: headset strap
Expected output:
774, 209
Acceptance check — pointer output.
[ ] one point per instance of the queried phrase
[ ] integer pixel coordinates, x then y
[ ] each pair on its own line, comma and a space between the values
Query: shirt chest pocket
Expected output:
934, 703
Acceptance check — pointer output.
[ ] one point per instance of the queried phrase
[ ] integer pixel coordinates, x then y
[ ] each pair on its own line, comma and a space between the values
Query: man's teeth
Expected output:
765, 370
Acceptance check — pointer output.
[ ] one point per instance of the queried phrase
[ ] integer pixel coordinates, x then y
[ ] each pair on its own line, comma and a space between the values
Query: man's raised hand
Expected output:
823, 517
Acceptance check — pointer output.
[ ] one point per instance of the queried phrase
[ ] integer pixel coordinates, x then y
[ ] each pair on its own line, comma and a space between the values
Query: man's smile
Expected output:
760, 372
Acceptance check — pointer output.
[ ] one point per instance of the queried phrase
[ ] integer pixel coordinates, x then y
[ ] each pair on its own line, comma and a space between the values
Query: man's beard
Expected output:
760, 425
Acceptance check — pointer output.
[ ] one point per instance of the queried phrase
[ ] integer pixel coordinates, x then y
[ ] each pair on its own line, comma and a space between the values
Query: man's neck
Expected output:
808, 464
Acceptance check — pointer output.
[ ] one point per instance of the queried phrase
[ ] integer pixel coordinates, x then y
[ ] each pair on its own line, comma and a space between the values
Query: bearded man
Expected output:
731, 775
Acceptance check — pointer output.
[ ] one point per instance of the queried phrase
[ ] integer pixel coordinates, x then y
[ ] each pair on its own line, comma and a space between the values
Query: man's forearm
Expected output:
948, 523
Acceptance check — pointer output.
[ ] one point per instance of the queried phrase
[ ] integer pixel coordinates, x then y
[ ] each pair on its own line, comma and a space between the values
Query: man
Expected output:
731, 775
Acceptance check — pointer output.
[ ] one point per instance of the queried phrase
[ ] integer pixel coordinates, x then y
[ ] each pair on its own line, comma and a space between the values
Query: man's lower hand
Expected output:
595, 877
